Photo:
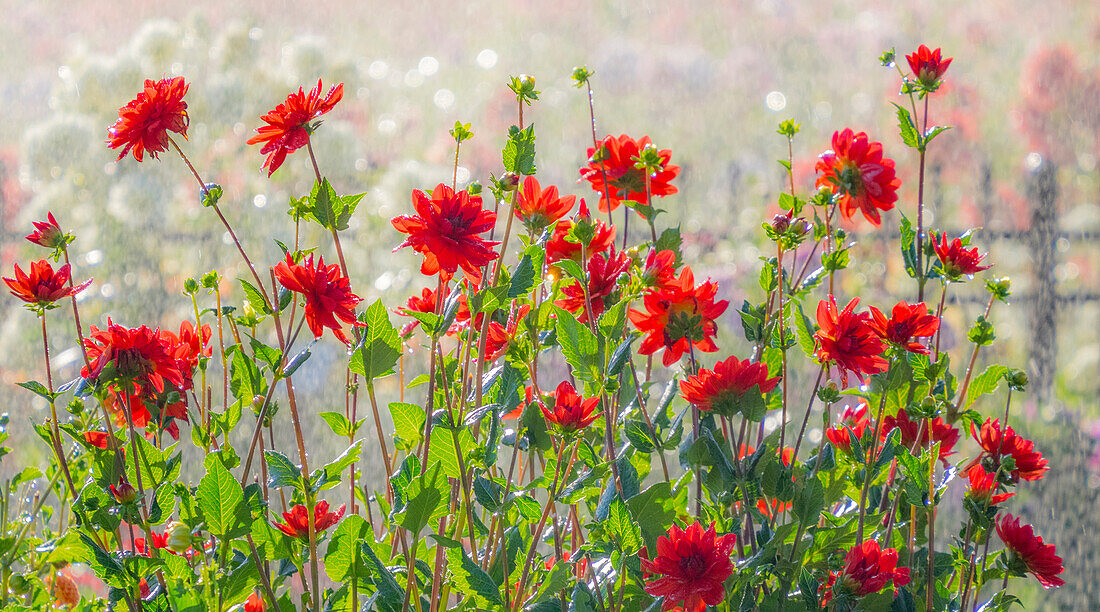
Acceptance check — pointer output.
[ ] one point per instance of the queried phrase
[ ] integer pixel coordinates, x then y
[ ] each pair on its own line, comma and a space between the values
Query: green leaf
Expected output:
379, 348
281, 472
578, 345
908, 131
254, 297
324, 204
39, 389
986, 382
519, 153
220, 498
425, 497
408, 421
338, 423
670, 240
804, 331
472, 580
909, 247
523, 278
622, 527
343, 559
809, 501
655, 510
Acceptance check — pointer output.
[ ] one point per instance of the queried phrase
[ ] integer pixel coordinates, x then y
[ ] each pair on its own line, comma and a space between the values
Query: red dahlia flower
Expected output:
42, 287
626, 181
254, 603
995, 444
677, 318
571, 411
191, 345
719, 390
659, 271
906, 323
957, 261
983, 486
48, 233
140, 355
326, 290
446, 231
500, 337
297, 521
288, 126
538, 207
558, 248
143, 124
604, 270
853, 422
857, 171
690, 567
848, 340
943, 433
867, 569
1029, 553
928, 67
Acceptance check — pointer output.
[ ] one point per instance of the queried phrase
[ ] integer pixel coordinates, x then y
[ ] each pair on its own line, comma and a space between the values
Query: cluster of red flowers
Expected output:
141, 367
848, 340
917, 434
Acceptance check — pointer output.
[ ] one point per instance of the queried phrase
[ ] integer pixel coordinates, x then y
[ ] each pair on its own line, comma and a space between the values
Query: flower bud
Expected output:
124, 493
780, 223
509, 182
1017, 379
178, 537
474, 188
190, 286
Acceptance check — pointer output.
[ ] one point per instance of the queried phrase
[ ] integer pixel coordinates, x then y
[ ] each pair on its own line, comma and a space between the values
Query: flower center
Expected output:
693, 566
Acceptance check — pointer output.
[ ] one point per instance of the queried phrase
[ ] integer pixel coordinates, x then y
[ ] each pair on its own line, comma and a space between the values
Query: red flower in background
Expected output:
995, 444
956, 259
538, 207
857, 171
659, 271
928, 66
626, 181
500, 337
867, 569
848, 340
558, 248
1029, 553
143, 124
983, 487
191, 344
943, 433
690, 567
297, 521
770, 508
906, 323
48, 233
604, 270
853, 421
679, 317
425, 302
326, 290
571, 411
288, 126
43, 286
447, 231
140, 355
718, 389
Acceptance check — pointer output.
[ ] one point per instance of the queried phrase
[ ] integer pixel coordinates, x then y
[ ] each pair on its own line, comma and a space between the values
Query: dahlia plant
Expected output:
579, 438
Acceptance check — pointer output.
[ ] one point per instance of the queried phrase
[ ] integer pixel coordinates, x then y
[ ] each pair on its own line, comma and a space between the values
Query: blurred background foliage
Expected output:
708, 80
